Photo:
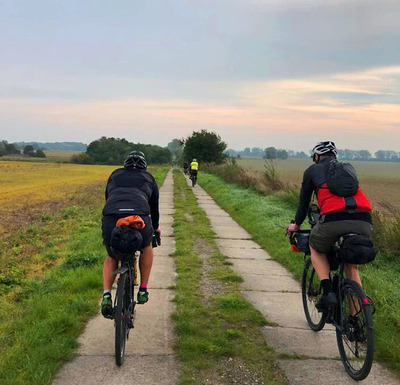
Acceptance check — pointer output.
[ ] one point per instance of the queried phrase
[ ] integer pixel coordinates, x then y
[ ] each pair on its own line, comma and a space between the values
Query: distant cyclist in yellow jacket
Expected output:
194, 167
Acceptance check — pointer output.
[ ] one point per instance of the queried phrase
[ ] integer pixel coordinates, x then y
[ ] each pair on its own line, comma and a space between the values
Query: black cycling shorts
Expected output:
108, 223
193, 172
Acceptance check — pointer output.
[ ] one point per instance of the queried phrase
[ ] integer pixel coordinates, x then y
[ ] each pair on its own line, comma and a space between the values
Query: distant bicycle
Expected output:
352, 316
193, 177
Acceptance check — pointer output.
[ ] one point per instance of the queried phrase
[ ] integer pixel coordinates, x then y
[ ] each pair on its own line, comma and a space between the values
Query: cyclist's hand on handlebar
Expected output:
157, 238
292, 228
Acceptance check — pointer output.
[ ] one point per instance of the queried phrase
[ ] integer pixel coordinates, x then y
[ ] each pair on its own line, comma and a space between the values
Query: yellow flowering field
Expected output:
23, 183
41, 205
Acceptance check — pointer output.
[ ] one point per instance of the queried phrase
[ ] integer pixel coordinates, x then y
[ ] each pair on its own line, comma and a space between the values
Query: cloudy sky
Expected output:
283, 73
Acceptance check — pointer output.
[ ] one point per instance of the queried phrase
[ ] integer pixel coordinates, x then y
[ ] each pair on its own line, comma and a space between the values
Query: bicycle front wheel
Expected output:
355, 330
120, 319
311, 292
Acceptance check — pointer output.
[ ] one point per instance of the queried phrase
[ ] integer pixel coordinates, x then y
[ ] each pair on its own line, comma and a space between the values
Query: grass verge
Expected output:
42, 316
219, 337
265, 217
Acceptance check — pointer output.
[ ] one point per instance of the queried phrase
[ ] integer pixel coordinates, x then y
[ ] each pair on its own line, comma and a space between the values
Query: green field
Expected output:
380, 180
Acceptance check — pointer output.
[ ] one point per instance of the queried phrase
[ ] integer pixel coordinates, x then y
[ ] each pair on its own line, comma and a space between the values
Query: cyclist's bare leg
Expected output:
145, 264
109, 267
320, 264
352, 273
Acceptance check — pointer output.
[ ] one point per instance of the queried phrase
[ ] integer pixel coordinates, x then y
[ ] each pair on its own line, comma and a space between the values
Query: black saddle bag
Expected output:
357, 249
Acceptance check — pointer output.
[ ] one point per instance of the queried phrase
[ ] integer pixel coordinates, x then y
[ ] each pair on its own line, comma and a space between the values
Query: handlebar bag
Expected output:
357, 249
302, 238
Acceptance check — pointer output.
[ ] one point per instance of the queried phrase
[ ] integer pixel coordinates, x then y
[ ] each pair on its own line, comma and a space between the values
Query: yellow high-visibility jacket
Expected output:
194, 166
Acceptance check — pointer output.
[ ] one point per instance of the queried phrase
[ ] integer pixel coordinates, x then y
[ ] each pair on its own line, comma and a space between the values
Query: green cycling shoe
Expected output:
107, 306
142, 297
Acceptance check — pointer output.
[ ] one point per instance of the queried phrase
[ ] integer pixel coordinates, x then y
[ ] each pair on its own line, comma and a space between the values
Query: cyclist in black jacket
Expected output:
130, 190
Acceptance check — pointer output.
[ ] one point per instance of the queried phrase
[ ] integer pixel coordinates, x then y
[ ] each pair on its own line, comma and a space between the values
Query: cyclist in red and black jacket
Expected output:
130, 190
339, 215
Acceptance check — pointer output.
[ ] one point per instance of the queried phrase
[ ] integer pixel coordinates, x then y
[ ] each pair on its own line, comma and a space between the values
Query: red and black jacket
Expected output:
314, 179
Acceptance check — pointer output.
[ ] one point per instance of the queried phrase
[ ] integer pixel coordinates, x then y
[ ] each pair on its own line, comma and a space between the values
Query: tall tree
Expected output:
40, 154
176, 148
205, 147
364, 154
271, 153
28, 150
282, 154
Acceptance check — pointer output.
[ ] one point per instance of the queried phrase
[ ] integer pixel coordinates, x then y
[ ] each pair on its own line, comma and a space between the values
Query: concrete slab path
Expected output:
149, 358
272, 290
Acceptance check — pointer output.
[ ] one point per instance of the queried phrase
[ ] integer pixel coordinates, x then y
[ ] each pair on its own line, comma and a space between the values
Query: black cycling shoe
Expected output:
107, 306
326, 301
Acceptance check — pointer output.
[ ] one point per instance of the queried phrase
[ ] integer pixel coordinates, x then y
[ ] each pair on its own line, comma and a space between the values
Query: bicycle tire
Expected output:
194, 177
355, 343
311, 292
120, 321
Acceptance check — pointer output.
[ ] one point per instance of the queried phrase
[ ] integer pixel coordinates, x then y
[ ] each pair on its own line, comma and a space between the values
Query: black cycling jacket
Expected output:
132, 192
314, 177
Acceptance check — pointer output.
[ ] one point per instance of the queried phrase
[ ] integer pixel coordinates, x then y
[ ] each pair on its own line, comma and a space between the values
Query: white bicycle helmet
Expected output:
323, 148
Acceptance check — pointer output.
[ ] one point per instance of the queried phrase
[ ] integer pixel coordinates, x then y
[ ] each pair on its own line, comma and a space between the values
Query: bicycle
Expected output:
352, 316
193, 178
124, 303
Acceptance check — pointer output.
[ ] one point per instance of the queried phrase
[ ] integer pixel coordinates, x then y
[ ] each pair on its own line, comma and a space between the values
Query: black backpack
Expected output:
341, 178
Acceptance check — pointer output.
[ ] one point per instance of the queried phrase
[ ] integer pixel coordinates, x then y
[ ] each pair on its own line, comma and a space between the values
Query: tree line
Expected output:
346, 154
54, 146
13, 149
115, 150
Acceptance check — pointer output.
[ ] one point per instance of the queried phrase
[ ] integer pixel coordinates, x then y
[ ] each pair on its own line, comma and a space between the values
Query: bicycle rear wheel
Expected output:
355, 330
194, 179
311, 292
121, 320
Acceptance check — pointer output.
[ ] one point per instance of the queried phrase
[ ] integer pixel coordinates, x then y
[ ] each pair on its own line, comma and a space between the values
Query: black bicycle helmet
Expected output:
125, 241
136, 159
323, 148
